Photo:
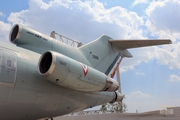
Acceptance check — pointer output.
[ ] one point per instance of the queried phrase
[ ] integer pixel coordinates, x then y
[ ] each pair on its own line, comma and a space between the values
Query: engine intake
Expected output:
46, 63
30, 39
15, 33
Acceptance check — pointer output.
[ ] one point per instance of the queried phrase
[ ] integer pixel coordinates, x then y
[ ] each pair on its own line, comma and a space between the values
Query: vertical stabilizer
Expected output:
100, 54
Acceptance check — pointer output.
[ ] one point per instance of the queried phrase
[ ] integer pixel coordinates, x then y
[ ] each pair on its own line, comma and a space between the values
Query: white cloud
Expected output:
139, 55
4, 31
140, 73
83, 21
163, 22
136, 2
174, 78
139, 94
169, 56
2, 14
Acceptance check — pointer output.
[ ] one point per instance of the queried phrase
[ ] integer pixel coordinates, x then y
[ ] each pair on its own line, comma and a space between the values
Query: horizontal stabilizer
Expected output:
126, 44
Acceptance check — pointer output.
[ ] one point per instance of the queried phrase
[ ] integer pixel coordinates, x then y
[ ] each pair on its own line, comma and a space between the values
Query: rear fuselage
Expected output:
27, 95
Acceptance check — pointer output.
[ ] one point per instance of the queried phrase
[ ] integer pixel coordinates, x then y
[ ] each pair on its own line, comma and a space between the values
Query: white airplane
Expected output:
42, 77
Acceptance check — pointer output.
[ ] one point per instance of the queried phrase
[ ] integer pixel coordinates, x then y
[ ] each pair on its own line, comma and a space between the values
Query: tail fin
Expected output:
101, 55
105, 54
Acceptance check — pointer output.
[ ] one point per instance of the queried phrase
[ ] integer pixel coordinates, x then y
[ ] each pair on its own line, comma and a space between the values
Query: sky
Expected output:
151, 79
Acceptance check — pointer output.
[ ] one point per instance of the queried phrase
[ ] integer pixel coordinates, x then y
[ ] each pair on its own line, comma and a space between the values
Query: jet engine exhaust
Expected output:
117, 97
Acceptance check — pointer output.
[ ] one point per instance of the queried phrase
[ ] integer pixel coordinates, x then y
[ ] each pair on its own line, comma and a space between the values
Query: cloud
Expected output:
83, 21
4, 31
163, 22
169, 56
140, 73
139, 55
136, 2
139, 94
1, 14
174, 78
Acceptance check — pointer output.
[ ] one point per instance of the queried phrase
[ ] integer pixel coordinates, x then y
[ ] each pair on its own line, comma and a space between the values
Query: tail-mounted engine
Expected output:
70, 73
32, 40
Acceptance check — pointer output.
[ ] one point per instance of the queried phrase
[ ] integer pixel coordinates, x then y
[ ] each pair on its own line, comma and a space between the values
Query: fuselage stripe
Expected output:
112, 64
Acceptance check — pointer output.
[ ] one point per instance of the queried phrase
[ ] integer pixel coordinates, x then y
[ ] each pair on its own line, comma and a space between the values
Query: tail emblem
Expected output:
85, 68
116, 67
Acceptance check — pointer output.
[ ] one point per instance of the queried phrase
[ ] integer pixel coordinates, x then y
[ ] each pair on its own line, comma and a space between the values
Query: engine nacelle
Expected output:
32, 40
70, 73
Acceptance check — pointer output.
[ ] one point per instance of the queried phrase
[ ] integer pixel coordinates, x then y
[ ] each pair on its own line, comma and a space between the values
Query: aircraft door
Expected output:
8, 67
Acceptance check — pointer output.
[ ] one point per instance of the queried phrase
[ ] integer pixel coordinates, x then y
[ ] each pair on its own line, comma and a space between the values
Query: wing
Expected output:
126, 44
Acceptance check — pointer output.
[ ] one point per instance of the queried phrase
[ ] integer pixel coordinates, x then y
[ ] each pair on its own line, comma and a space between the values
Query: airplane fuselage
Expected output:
44, 77
27, 95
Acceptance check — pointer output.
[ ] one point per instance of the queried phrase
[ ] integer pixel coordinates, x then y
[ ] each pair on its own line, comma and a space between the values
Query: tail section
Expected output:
105, 54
